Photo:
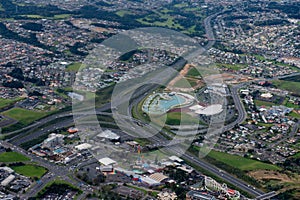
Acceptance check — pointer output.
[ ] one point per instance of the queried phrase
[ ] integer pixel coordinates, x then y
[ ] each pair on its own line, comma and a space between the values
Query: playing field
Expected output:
24, 116
30, 170
263, 103
12, 157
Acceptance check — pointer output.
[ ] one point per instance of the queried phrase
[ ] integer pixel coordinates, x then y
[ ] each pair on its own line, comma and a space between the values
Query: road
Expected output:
223, 175
291, 134
61, 171
266, 196
54, 172
199, 162
242, 115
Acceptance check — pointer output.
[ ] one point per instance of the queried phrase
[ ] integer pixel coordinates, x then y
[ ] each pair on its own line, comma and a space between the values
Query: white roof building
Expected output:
209, 110
266, 95
107, 134
149, 181
175, 158
7, 181
8, 169
107, 161
83, 146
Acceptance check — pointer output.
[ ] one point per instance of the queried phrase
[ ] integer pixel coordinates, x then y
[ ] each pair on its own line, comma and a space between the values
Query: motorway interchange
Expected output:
38, 129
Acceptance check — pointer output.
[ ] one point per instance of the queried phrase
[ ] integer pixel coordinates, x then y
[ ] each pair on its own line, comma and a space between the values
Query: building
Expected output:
8, 169
208, 111
159, 177
106, 169
83, 146
149, 182
266, 95
166, 196
176, 159
72, 130
127, 192
53, 140
107, 161
4, 196
7, 181
109, 135
195, 195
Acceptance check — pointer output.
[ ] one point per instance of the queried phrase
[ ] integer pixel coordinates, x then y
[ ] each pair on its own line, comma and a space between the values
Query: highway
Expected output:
199, 162
242, 115
223, 175
61, 171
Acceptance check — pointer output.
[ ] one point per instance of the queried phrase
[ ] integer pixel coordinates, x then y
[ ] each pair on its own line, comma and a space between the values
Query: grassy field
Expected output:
24, 116
122, 13
175, 118
263, 103
31, 171
168, 21
74, 67
265, 125
186, 82
12, 157
103, 96
7, 102
288, 85
62, 16
193, 72
297, 155
242, 163
295, 115
291, 105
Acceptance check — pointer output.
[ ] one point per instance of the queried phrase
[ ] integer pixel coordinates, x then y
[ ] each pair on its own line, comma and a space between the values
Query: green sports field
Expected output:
12, 157
24, 116
30, 170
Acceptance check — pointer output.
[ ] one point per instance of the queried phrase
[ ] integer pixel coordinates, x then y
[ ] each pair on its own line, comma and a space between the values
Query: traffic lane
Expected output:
224, 176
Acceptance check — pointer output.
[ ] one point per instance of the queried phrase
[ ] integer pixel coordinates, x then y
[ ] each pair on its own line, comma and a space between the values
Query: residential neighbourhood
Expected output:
169, 99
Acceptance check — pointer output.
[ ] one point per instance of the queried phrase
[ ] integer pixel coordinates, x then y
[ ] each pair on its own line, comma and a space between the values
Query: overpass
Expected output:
266, 196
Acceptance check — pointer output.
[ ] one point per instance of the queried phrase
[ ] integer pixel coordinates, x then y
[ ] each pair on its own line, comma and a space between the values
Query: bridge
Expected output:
266, 196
